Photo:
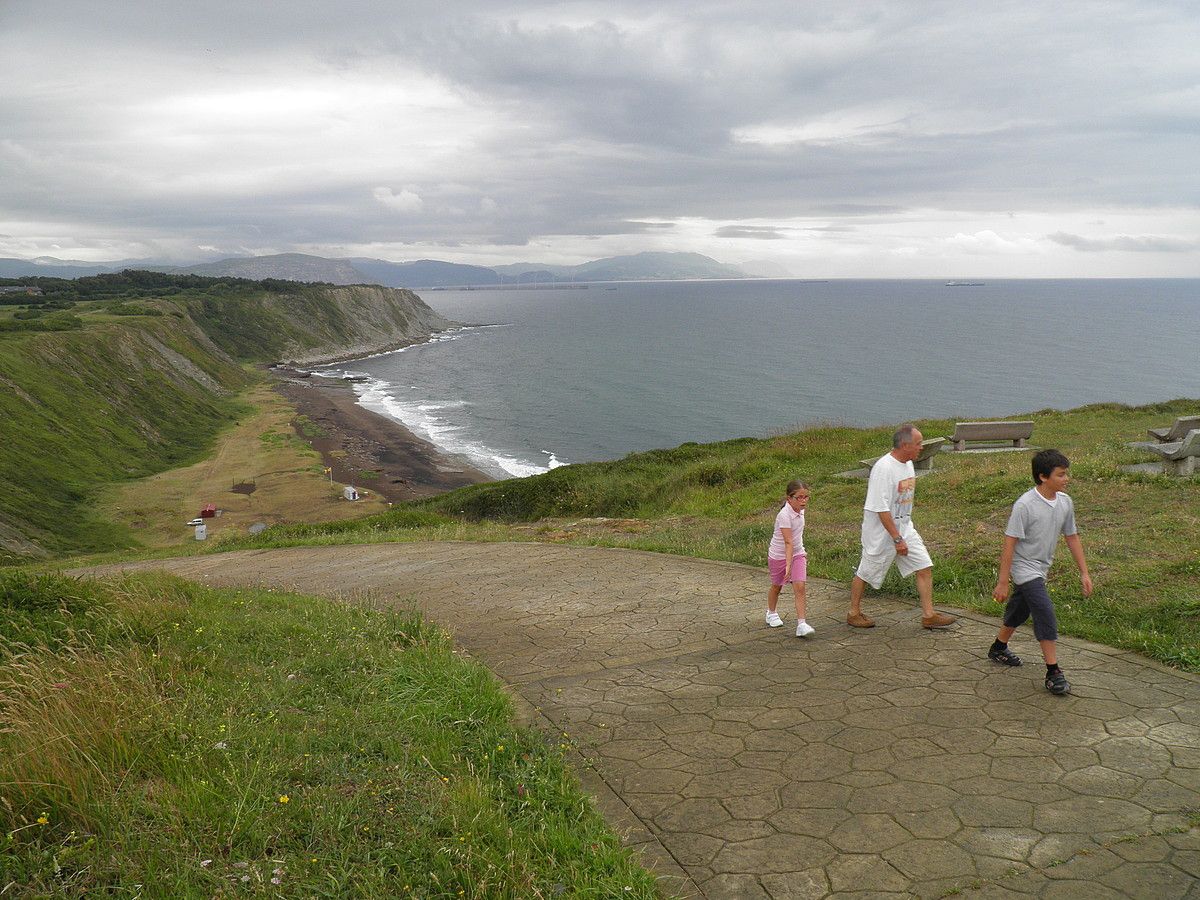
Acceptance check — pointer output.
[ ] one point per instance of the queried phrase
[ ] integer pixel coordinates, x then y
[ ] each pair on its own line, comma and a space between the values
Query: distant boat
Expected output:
964, 284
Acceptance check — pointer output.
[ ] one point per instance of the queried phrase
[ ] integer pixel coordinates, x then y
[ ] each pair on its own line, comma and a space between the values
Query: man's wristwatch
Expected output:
897, 540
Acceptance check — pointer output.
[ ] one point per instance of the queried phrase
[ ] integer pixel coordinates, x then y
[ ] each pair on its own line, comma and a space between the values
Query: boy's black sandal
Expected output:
1004, 656
1056, 682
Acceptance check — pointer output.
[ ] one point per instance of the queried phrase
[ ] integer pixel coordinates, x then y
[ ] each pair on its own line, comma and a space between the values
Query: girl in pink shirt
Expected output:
786, 559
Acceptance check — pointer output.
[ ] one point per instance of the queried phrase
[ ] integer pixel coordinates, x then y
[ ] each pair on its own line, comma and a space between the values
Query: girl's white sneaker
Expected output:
773, 619
803, 629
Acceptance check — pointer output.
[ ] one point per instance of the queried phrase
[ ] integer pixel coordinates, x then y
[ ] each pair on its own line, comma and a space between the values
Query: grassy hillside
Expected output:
115, 377
262, 449
105, 403
1141, 531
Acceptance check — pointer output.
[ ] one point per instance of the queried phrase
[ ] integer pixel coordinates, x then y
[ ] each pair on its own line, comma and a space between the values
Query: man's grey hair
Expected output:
903, 435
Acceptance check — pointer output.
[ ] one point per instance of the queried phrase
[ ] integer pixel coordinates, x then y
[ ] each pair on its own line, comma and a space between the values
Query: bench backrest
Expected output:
1189, 446
930, 446
992, 431
1182, 426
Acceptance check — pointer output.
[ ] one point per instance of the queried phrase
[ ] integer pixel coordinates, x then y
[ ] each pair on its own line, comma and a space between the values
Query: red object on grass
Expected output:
209, 511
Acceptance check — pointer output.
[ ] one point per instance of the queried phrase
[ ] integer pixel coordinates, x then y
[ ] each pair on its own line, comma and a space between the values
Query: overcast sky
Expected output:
945, 139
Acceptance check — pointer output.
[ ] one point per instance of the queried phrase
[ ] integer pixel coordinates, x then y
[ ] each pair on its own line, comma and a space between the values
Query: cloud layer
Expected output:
838, 138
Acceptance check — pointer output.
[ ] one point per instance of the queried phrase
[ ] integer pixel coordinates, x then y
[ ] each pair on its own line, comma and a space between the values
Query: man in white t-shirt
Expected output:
888, 534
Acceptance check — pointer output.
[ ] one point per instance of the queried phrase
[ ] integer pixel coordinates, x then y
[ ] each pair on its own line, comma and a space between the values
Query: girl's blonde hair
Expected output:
796, 485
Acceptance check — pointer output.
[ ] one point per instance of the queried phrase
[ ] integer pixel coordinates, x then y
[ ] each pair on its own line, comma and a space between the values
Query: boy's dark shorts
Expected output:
1032, 599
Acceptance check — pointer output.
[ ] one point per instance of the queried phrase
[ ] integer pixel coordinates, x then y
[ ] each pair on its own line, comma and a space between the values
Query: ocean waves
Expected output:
444, 422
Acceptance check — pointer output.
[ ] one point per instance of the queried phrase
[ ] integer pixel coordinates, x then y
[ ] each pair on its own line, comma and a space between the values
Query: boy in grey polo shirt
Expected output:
1038, 517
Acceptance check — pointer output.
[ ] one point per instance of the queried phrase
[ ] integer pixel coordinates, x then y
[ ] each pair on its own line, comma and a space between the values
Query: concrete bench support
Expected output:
1015, 432
1179, 457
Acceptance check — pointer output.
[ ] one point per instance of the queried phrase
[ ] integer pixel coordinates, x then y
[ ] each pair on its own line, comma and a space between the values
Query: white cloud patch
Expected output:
843, 127
405, 200
988, 243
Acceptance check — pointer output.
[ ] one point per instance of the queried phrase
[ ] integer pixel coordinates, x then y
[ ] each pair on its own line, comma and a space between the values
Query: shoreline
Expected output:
347, 355
373, 452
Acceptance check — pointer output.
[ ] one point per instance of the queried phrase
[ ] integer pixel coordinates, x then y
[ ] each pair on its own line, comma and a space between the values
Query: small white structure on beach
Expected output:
350, 493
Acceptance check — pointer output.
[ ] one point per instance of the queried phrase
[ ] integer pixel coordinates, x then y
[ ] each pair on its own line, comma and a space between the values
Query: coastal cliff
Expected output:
381, 319
138, 376
309, 324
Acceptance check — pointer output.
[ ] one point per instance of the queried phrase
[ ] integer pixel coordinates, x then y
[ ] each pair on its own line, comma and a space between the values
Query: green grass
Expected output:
1141, 532
308, 428
160, 739
85, 408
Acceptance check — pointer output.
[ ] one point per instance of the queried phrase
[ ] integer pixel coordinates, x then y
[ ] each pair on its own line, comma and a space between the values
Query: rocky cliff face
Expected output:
377, 319
313, 323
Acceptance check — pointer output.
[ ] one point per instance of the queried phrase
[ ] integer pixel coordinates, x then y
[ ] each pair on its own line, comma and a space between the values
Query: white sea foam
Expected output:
421, 417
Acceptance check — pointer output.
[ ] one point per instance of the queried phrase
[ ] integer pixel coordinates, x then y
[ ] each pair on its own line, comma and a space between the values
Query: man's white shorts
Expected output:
873, 567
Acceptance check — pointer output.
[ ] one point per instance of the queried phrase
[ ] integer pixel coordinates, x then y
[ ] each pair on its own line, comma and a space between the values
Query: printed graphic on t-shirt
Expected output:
906, 490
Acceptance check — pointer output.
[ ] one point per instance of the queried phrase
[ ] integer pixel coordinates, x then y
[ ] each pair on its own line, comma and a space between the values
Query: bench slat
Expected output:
1017, 432
992, 431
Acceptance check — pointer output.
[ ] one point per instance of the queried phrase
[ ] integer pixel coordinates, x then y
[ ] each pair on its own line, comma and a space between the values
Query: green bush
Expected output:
56, 322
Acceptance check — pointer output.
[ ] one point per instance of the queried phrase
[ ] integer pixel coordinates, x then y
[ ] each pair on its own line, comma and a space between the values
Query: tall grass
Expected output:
223, 742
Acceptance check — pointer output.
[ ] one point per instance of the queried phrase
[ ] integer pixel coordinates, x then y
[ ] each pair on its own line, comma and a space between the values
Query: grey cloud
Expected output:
602, 119
630, 227
758, 232
1129, 243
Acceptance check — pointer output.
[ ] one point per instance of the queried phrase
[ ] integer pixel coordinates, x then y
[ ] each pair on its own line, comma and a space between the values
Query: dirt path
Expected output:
746, 763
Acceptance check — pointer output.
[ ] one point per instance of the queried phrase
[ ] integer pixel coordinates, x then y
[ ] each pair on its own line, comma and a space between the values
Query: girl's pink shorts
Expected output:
777, 566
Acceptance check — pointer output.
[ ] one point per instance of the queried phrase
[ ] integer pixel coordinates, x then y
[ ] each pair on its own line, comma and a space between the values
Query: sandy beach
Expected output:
370, 451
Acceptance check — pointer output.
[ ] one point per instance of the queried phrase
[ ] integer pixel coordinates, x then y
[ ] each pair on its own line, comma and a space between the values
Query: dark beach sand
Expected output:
358, 441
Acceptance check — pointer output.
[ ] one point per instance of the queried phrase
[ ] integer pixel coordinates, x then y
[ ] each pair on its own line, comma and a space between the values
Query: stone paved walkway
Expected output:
747, 763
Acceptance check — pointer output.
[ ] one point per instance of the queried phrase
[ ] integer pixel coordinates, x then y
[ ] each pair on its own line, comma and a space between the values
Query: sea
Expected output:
542, 377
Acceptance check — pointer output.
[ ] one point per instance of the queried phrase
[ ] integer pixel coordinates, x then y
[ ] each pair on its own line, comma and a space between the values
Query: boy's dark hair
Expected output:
1045, 462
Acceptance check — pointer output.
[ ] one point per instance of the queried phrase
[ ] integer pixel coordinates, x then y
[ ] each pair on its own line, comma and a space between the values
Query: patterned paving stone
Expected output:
744, 763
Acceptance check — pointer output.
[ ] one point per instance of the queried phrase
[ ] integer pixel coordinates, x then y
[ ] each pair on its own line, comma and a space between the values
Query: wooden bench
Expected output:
1176, 432
923, 463
1179, 457
1017, 433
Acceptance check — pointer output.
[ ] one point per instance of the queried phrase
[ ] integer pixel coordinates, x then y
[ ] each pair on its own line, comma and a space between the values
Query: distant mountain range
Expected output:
62, 268
422, 273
